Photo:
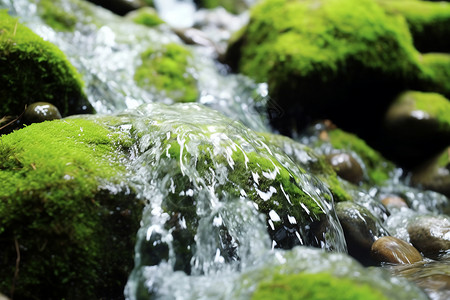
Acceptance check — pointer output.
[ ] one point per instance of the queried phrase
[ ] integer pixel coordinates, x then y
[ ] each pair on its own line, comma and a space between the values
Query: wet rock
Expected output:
346, 167
39, 112
394, 202
361, 229
389, 249
120, 7
430, 234
434, 174
32, 68
377, 167
416, 126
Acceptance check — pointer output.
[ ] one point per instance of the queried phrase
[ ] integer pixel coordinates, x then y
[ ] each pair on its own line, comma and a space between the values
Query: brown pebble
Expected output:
390, 249
394, 201
346, 167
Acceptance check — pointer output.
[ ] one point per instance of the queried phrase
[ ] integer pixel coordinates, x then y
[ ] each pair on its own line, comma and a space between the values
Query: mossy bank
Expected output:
33, 70
67, 219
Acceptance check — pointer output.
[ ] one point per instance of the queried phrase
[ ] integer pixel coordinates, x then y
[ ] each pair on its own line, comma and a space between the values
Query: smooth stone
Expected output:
361, 230
390, 249
346, 167
41, 111
430, 234
394, 201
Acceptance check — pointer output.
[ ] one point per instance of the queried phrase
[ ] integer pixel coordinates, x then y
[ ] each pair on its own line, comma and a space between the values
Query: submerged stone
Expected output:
65, 208
32, 69
312, 162
146, 16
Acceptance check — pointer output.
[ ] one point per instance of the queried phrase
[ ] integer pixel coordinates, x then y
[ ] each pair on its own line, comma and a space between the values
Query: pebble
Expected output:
393, 250
41, 111
346, 167
394, 202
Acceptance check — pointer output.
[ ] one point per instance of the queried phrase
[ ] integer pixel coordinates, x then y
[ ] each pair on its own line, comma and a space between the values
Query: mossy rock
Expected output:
322, 57
33, 70
166, 70
199, 158
378, 168
416, 127
434, 174
233, 6
146, 16
65, 209
319, 286
428, 22
312, 162
437, 67
55, 16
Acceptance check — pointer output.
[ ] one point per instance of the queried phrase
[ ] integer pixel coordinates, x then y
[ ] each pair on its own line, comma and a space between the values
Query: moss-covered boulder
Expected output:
428, 22
233, 6
312, 162
437, 68
417, 126
33, 70
146, 16
167, 70
305, 273
328, 58
67, 219
319, 286
203, 162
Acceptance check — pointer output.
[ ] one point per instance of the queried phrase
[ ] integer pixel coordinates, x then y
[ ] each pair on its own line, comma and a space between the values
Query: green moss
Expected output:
325, 55
437, 66
320, 286
233, 6
435, 105
33, 70
428, 22
146, 16
377, 167
307, 159
55, 16
75, 237
166, 70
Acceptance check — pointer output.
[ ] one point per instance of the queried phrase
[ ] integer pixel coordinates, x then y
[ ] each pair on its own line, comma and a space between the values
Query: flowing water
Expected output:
202, 235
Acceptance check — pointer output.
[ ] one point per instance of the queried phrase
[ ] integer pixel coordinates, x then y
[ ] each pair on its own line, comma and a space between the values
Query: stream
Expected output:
225, 246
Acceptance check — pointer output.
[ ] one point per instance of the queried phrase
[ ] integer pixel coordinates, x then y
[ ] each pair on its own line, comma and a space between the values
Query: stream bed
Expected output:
201, 237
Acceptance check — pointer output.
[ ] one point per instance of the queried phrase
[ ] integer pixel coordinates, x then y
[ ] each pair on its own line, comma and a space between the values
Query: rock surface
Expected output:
388, 249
